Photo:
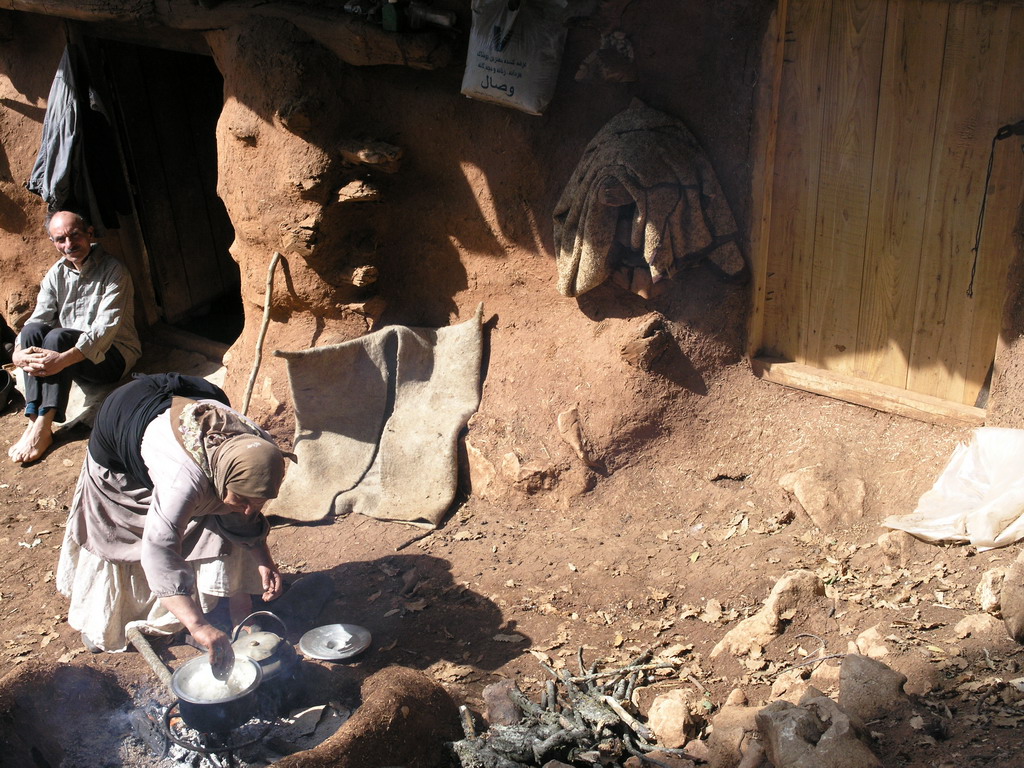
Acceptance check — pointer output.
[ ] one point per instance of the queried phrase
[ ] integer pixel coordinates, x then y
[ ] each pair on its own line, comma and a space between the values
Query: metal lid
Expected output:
333, 642
258, 645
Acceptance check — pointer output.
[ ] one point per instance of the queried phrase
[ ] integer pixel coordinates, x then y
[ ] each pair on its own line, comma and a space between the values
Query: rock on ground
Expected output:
672, 719
500, 709
903, 549
817, 734
978, 624
988, 591
792, 686
1012, 599
870, 643
733, 731
663, 758
830, 497
868, 689
795, 589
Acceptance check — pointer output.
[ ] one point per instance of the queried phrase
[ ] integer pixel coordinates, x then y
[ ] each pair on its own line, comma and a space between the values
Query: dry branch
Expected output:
578, 717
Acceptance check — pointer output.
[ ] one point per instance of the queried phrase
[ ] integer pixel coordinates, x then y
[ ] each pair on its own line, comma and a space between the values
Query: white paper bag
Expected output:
515, 51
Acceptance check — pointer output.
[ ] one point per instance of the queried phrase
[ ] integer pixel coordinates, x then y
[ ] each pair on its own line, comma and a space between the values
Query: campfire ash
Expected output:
171, 743
582, 720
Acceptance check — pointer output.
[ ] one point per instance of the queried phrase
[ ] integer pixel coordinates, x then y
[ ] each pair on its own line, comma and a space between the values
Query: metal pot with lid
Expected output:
275, 655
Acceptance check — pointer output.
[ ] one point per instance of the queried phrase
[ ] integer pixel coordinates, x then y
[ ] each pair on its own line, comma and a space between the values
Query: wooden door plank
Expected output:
881, 397
908, 98
844, 188
143, 155
185, 199
968, 107
766, 129
794, 190
1000, 243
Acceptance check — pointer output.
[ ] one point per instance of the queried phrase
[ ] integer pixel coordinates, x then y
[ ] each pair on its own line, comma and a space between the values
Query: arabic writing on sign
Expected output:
486, 83
500, 71
520, 63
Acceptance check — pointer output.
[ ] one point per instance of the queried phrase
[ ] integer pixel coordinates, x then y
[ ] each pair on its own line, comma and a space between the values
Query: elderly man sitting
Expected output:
82, 329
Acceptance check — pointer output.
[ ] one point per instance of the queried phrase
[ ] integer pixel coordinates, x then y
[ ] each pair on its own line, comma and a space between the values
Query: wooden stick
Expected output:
263, 332
639, 728
136, 638
466, 718
613, 672
414, 539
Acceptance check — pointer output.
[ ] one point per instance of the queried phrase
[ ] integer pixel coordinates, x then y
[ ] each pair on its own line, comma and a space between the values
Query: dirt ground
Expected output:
665, 553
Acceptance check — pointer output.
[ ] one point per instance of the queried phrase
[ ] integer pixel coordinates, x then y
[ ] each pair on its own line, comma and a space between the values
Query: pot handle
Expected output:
274, 616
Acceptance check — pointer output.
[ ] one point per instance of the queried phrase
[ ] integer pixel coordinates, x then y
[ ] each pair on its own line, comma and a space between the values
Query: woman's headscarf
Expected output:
229, 449
249, 466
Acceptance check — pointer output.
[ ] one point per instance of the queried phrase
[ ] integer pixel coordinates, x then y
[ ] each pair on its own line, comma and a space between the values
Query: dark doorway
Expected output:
167, 105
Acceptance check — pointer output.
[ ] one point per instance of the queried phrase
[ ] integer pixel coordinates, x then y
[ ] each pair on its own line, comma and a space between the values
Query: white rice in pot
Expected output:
202, 686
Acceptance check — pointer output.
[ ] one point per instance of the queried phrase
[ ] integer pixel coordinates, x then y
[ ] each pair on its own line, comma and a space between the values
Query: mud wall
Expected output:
463, 218
466, 218
30, 48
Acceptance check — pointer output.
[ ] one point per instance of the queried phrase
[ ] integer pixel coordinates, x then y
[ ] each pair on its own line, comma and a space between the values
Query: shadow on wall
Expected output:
25, 41
473, 179
12, 215
21, 37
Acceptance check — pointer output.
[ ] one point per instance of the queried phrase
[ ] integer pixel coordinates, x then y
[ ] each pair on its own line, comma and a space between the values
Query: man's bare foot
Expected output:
36, 441
22, 445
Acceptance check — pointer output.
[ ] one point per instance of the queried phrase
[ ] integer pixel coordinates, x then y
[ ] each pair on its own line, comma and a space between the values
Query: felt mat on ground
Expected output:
377, 420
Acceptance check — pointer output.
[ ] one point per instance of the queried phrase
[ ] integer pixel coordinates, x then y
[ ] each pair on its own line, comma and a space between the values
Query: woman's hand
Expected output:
218, 646
273, 584
216, 643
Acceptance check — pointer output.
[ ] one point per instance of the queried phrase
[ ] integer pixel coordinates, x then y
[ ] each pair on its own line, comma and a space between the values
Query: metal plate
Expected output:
332, 642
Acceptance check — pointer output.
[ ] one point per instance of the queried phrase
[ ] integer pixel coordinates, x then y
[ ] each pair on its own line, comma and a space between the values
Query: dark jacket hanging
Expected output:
63, 174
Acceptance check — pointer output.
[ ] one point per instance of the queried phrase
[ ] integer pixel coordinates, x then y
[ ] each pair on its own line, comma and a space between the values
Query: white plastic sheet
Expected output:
978, 498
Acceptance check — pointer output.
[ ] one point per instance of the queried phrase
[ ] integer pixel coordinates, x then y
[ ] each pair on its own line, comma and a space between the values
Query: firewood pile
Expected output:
584, 720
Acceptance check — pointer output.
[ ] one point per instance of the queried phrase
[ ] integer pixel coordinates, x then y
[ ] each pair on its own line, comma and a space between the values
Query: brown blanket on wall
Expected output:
680, 208
377, 420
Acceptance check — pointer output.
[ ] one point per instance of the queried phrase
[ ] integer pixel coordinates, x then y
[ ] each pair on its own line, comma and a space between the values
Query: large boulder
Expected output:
818, 734
1012, 599
869, 689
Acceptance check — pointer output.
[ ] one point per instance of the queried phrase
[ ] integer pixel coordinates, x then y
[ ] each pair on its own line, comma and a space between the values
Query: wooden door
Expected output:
881, 125
168, 104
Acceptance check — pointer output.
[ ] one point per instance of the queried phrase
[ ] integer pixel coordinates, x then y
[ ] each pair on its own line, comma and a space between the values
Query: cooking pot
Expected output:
212, 706
6, 388
272, 652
